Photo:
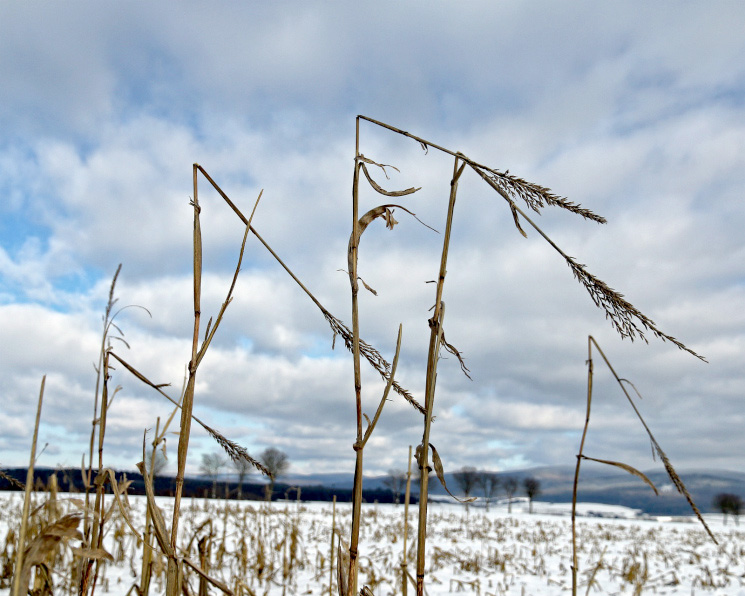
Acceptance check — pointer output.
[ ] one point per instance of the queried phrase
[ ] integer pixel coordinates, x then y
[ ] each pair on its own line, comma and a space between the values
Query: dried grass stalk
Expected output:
20, 554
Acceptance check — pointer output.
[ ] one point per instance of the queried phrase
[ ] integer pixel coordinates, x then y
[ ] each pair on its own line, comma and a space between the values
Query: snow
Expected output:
475, 552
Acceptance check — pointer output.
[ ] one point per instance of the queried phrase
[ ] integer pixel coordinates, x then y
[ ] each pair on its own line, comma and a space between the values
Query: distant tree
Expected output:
395, 482
156, 461
466, 478
416, 479
532, 489
728, 504
510, 487
243, 468
488, 482
210, 467
276, 461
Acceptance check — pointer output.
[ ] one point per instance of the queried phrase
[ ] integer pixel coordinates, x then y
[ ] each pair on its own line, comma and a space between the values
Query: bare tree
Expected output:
156, 461
466, 478
243, 468
210, 467
276, 461
510, 487
728, 504
488, 482
395, 481
417, 481
532, 489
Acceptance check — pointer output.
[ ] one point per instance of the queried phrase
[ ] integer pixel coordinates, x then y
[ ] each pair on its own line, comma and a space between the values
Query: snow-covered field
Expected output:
284, 548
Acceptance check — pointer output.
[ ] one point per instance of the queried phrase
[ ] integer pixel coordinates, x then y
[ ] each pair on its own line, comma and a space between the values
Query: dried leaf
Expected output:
93, 553
517, 221
368, 288
389, 220
382, 166
46, 543
159, 523
439, 470
450, 348
419, 457
118, 490
628, 468
382, 191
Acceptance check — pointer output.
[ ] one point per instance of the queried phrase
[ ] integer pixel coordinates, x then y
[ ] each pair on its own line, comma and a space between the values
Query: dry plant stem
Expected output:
99, 508
331, 552
337, 327
404, 563
147, 555
435, 339
672, 474
27, 501
233, 450
422, 452
361, 440
94, 422
175, 569
358, 447
353, 278
576, 470
173, 587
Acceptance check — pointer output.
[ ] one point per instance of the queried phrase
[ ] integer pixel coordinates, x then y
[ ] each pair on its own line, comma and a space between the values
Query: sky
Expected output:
633, 110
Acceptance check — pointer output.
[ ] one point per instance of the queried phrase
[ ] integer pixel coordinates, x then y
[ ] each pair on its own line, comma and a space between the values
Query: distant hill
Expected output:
310, 488
596, 485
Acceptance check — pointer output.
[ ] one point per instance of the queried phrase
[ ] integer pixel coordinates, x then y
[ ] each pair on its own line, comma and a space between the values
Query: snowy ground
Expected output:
285, 549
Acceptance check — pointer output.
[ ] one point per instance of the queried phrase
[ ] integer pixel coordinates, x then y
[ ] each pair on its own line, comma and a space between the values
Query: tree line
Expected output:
212, 466
728, 504
470, 480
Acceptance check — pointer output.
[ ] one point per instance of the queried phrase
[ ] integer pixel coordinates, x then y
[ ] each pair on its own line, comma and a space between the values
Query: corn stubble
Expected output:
171, 562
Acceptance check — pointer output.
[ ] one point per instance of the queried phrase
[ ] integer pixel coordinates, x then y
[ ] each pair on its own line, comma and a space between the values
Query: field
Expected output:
285, 548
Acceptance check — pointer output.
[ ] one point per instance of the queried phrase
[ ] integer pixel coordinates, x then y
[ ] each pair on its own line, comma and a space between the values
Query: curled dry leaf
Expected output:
367, 287
628, 468
450, 348
440, 471
46, 543
382, 166
369, 217
382, 191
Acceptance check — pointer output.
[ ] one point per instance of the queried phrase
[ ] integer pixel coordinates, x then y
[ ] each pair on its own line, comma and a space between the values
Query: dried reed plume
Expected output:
624, 316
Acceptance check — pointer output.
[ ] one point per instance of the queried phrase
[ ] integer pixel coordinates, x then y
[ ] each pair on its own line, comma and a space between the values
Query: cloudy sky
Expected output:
631, 109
